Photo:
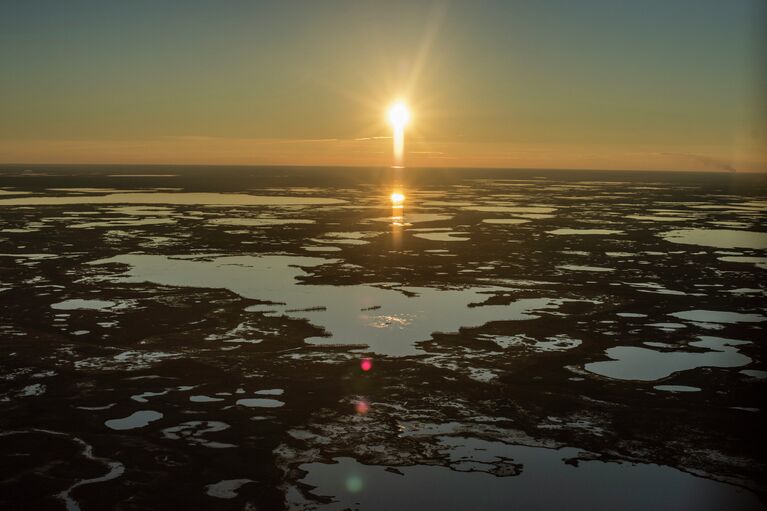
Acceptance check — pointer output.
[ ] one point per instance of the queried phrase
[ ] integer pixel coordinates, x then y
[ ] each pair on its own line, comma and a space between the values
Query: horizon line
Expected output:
420, 167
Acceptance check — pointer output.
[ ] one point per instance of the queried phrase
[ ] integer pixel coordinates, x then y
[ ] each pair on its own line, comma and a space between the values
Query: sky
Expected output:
602, 84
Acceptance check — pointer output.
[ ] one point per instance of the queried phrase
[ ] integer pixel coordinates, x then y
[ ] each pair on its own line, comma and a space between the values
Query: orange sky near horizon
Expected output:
373, 152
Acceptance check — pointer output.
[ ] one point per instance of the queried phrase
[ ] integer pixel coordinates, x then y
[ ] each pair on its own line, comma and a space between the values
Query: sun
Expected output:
399, 115
397, 199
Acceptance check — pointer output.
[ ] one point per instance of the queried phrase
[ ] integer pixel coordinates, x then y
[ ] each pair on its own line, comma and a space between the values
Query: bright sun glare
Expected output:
397, 199
399, 115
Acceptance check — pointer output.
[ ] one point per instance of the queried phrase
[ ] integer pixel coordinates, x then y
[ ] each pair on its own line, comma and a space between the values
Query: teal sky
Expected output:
676, 84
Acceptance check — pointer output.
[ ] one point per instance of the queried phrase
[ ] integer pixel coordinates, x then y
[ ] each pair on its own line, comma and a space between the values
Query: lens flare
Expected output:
362, 407
366, 364
354, 484
397, 199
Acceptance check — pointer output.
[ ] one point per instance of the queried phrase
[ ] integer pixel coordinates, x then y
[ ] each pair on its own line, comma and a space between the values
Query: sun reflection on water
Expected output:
397, 199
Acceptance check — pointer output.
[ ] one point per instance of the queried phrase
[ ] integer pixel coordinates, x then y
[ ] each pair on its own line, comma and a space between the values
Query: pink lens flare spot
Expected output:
362, 407
366, 364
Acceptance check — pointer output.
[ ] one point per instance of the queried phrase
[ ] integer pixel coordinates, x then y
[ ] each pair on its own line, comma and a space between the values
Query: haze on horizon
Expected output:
552, 84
